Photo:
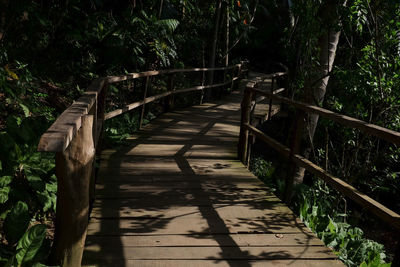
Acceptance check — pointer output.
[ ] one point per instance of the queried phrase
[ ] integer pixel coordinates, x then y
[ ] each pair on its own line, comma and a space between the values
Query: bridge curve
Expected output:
176, 195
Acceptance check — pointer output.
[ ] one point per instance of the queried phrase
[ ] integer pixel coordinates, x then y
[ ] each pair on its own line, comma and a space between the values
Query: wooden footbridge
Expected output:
177, 193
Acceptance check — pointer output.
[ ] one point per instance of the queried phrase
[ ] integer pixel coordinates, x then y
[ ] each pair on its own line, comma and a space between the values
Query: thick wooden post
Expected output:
73, 170
245, 119
294, 149
146, 85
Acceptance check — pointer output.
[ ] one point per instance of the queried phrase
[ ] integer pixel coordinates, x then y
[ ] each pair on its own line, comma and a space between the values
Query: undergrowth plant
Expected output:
321, 210
28, 189
28, 184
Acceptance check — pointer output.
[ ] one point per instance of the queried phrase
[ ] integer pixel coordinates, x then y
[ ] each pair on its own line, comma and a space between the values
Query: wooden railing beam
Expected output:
363, 200
114, 79
375, 130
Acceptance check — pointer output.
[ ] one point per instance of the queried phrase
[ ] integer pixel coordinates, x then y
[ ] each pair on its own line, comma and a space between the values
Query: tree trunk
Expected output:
316, 90
227, 37
160, 9
213, 52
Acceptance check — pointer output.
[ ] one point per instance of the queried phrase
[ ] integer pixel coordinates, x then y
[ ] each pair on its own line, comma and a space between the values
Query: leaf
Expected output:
30, 243
170, 24
25, 109
10, 73
46, 200
16, 223
5, 180
4, 194
36, 183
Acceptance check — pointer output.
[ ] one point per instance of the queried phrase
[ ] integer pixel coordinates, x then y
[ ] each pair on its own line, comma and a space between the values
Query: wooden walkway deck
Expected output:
176, 195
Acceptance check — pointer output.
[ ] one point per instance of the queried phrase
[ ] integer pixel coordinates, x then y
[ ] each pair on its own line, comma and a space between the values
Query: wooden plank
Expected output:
218, 253
173, 150
192, 226
216, 194
167, 178
190, 198
133, 188
269, 209
320, 262
169, 163
240, 240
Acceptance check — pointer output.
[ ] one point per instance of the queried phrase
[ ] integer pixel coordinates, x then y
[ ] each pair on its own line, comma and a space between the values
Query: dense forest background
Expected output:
51, 50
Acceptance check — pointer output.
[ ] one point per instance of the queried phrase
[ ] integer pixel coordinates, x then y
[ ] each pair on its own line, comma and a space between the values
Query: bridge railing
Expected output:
247, 131
74, 139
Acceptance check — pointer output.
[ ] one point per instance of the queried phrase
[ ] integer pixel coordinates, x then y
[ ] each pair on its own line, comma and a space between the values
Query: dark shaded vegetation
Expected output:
51, 50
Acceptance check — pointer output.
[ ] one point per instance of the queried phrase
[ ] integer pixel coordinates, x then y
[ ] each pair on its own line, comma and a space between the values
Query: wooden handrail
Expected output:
378, 131
150, 99
74, 138
376, 208
130, 76
58, 137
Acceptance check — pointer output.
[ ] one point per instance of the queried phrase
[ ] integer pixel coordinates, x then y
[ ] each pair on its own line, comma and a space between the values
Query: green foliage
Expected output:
16, 223
28, 247
264, 171
321, 209
315, 208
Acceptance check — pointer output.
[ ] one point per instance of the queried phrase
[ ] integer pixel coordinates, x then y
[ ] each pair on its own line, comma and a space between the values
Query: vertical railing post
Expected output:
99, 125
73, 171
233, 75
220, 80
294, 149
170, 100
146, 85
245, 119
270, 100
203, 79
